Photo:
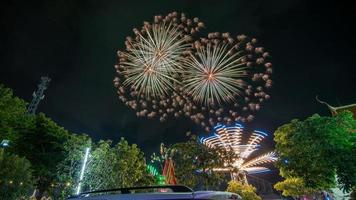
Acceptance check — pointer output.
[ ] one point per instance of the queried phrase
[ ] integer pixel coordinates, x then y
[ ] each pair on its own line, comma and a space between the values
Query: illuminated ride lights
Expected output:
230, 138
160, 179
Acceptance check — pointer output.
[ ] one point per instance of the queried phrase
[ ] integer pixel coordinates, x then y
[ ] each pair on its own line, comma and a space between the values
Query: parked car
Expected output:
165, 192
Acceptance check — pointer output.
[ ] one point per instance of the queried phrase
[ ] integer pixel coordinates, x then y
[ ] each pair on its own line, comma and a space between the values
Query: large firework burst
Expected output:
214, 76
153, 59
166, 71
231, 139
226, 79
148, 71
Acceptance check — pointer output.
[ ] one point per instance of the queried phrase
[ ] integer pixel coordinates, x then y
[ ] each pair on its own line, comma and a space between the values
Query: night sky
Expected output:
313, 47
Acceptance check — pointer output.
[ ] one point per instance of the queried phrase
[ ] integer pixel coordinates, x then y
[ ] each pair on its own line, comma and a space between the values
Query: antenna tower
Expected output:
38, 94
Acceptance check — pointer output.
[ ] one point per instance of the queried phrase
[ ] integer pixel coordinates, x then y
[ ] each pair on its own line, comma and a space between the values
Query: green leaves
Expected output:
56, 155
109, 166
15, 176
35, 137
123, 165
247, 192
42, 144
68, 169
13, 115
293, 187
317, 149
194, 164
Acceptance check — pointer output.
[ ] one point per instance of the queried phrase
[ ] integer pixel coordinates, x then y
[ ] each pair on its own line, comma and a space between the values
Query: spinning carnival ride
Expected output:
245, 161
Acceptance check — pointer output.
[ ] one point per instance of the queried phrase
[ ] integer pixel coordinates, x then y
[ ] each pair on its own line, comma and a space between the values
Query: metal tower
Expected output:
38, 95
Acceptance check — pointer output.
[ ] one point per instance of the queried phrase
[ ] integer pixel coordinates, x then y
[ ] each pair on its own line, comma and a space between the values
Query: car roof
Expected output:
201, 195
216, 195
138, 196
174, 192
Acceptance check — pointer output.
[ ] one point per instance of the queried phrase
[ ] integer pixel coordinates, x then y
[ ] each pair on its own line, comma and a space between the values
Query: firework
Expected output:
148, 71
166, 71
230, 139
226, 79
153, 60
213, 77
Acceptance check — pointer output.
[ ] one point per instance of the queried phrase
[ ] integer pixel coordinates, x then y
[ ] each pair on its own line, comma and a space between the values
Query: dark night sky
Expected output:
75, 42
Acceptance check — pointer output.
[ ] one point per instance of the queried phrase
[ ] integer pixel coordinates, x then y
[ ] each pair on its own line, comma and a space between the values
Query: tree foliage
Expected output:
16, 180
123, 165
101, 171
68, 170
108, 166
293, 187
43, 146
313, 151
56, 155
194, 163
353, 194
35, 137
13, 115
246, 191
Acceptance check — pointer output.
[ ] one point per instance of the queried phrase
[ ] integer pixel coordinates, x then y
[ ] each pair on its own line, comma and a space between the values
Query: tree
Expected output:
13, 115
246, 191
123, 165
317, 149
293, 187
101, 173
131, 164
147, 179
35, 137
353, 194
16, 180
42, 145
194, 164
68, 170
108, 166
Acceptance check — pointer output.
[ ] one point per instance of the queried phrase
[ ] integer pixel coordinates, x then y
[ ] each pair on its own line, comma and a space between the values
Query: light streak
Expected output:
82, 170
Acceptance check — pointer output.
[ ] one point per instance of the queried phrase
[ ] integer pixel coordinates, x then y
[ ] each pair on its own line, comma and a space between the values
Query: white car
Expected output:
166, 192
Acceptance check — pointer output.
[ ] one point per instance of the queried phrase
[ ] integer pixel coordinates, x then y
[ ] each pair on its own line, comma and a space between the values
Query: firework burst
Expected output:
149, 70
154, 59
166, 71
226, 79
213, 76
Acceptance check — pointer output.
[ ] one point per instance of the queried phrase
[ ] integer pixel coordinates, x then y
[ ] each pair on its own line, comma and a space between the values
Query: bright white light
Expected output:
5, 143
82, 171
